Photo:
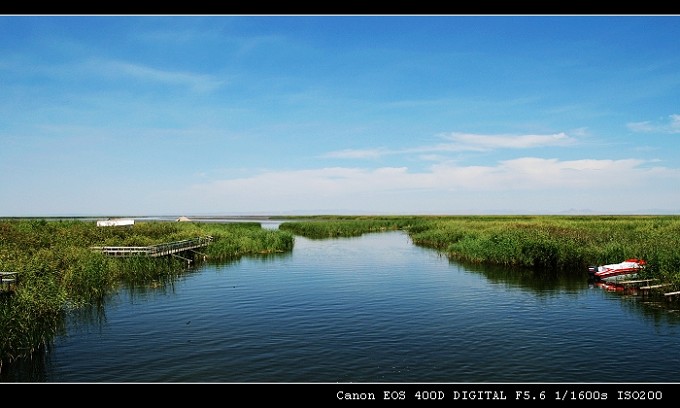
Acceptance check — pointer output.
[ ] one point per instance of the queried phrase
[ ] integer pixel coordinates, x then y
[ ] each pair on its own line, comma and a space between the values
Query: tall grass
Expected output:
58, 271
319, 228
558, 243
565, 244
247, 238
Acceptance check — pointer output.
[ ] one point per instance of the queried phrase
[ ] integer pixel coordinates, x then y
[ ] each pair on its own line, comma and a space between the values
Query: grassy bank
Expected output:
58, 270
319, 227
552, 243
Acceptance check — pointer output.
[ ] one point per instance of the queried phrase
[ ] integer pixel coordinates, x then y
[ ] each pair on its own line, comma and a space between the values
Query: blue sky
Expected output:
220, 115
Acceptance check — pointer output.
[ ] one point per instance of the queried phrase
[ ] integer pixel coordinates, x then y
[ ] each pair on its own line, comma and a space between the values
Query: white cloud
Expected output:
357, 154
561, 183
645, 126
458, 142
469, 141
672, 125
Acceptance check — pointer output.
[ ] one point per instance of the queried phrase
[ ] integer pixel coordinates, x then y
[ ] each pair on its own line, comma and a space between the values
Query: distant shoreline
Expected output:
140, 217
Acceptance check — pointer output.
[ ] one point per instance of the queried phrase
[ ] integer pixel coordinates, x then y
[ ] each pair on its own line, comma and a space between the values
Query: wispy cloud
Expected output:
196, 82
469, 141
215, 35
671, 125
358, 153
113, 70
459, 142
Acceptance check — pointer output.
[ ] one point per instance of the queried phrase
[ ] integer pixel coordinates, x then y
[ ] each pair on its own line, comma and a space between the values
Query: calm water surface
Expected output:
369, 309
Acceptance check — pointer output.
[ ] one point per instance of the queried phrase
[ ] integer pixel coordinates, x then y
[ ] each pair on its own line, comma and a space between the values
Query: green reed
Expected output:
59, 272
319, 228
566, 244
557, 242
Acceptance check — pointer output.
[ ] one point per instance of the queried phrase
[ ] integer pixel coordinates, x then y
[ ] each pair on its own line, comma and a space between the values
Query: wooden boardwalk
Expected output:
155, 251
8, 281
646, 286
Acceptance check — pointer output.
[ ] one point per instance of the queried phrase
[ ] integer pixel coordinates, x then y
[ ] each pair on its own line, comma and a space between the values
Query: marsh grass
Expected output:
247, 238
319, 228
558, 243
59, 272
545, 244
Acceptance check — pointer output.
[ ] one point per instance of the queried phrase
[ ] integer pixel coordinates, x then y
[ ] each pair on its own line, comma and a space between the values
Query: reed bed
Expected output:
337, 226
59, 272
558, 242
247, 238
565, 244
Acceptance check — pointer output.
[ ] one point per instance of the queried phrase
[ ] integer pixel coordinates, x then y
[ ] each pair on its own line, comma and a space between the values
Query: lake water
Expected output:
370, 309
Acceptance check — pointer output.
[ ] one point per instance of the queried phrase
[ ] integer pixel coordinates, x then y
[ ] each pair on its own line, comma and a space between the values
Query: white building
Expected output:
115, 223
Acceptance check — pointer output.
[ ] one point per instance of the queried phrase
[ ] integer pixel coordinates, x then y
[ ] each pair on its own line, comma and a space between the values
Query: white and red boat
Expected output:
627, 269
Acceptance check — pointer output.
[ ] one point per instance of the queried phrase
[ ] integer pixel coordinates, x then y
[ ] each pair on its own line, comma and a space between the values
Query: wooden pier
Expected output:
636, 282
8, 281
155, 251
646, 285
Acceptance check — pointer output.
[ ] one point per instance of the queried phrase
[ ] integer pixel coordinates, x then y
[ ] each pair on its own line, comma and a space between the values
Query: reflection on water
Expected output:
368, 309
649, 304
537, 281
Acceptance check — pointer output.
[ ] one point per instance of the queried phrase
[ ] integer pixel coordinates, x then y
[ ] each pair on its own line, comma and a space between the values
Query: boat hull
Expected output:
619, 277
626, 270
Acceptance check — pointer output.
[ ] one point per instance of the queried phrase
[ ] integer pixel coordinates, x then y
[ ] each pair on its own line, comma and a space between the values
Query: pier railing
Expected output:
8, 280
154, 251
